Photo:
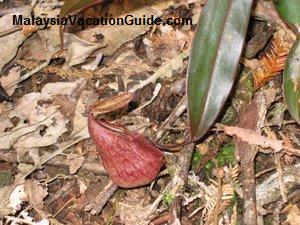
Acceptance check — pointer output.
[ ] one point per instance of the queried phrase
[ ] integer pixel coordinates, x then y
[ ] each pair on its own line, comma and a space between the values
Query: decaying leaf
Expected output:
75, 161
35, 193
40, 122
80, 128
253, 137
12, 41
78, 51
113, 35
293, 216
111, 104
132, 209
9, 82
71, 6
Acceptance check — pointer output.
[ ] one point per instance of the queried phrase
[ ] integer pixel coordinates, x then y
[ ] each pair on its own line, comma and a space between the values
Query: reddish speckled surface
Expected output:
129, 159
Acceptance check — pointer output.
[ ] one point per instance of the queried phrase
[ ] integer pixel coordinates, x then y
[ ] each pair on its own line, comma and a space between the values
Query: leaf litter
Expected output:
135, 76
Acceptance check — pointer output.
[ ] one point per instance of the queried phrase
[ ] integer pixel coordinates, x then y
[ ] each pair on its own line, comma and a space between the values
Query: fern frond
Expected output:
273, 61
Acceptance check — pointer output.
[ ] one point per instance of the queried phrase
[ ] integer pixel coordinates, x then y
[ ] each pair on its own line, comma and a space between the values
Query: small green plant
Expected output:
196, 158
167, 198
226, 157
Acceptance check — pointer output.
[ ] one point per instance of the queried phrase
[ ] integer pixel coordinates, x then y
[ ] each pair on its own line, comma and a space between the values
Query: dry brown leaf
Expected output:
35, 193
9, 82
113, 35
74, 161
175, 38
4, 120
41, 123
66, 104
12, 41
50, 36
293, 216
133, 207
78, 51
29, 29
253, 138
80, 120
111, 104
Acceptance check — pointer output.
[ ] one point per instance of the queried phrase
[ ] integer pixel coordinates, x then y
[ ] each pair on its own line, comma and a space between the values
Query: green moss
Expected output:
196, 158
230, 116
226, 156
167, 198
209, 166
5, 178
171, 171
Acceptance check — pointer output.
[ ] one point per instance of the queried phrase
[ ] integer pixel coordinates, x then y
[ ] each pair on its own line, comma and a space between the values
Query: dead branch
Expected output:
251, 117
179, 109
108, 191
269, 191
182, 175
57, 161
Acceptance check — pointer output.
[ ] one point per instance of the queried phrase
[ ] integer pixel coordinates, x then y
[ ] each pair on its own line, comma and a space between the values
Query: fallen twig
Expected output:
57, 161
161, 219
179, 109
251, 117
268, 191
108, 191
283, 191
10, 31
181, 174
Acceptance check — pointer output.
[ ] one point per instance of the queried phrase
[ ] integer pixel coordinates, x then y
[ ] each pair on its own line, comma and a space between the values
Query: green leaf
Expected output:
71, 6
290, 11
291, 81
214, 60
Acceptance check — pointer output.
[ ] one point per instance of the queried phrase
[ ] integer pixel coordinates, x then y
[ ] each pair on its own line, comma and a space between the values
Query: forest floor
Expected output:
50, 170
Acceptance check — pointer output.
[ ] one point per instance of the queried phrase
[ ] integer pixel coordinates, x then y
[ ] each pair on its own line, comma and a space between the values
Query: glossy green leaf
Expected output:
214, 60
71, 6
291, 81
290, 11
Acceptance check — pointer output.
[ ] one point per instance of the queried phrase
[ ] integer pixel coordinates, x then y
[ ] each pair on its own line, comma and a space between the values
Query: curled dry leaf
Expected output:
129, 159
253, 138
111, 104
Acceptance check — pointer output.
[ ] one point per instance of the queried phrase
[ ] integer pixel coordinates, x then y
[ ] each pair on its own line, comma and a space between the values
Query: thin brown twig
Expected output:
161, 219
283, 190
10, 31
264, 171
97, 205
184, 166
179, 109
57, 161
